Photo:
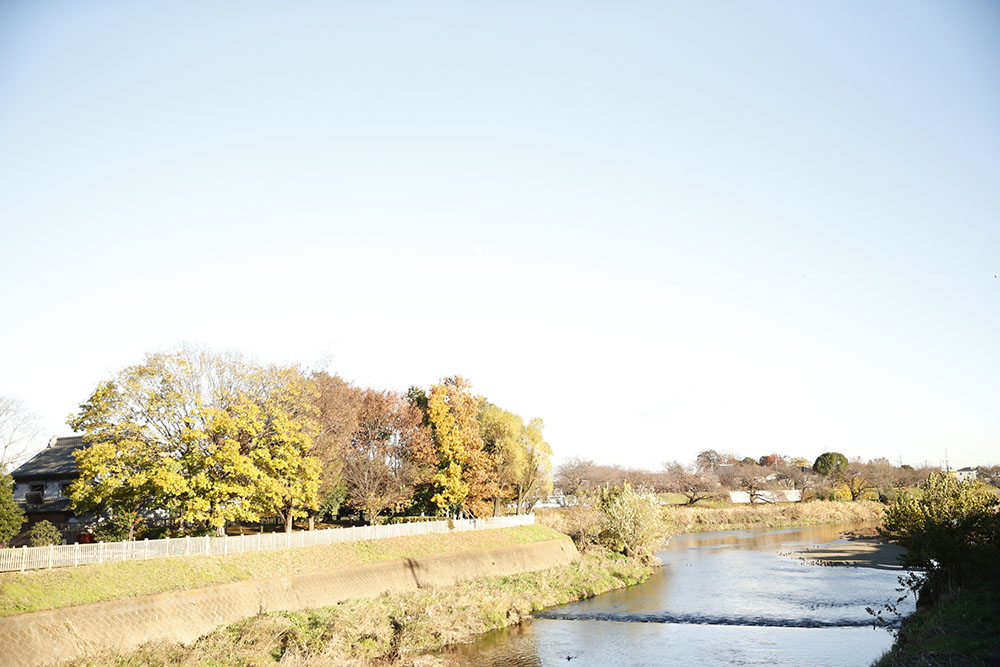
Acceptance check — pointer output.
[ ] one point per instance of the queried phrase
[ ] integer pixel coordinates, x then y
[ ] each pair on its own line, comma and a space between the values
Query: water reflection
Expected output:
720, 599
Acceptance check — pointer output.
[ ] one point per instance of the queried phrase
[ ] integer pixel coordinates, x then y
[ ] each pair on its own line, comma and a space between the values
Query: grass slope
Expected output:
393, 629
65, 587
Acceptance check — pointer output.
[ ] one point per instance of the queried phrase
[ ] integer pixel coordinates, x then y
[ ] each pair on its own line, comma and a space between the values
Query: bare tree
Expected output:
18, 429
694, 486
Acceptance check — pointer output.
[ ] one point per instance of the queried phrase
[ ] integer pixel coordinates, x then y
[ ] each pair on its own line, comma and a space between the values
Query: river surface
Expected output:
726, 598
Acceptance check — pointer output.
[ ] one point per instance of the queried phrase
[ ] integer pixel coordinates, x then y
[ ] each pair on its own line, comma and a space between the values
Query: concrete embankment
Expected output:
48, 637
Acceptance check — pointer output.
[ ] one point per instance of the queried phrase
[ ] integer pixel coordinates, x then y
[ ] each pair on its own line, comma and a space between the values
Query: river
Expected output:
726, 598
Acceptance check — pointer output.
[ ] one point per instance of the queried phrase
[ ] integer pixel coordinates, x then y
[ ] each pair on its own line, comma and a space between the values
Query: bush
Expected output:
632, 521
44, 533
952, 531
11, 514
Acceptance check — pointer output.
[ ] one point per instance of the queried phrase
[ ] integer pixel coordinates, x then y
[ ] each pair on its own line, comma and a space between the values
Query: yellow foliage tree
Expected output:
205, 438
463, 482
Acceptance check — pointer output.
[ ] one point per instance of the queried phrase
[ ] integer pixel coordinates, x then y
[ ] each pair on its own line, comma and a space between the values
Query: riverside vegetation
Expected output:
402, 629
951, 531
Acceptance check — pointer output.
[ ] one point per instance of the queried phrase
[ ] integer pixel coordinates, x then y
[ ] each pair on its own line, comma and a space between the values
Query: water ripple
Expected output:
700, 619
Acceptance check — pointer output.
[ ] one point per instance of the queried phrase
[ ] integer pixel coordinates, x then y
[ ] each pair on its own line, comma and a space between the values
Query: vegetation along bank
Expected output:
402, 628
951, 531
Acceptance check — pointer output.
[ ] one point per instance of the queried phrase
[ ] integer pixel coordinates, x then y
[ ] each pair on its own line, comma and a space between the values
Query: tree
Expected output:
750, 478
771, 460
694, 486
534, 477
381, 465
830, 462
574, 474
206, 438
708, 459
44, 533
462, 481
857, 478
520, 453
18, 428
338, 403
11, 514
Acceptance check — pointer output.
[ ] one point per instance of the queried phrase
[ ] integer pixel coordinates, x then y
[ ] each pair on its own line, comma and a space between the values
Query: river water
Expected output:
727, 598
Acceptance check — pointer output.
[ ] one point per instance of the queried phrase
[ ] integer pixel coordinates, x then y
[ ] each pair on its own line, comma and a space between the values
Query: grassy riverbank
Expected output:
394, 629
64, 587
694, 519
960, 630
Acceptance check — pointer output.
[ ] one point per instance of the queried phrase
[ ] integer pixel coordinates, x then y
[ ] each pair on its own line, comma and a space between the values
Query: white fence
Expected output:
69, 555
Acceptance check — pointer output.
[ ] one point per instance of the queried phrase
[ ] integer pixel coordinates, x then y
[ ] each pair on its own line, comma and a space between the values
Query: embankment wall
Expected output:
57, 635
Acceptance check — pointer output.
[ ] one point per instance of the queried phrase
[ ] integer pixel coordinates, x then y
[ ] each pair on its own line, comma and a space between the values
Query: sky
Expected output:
661, 227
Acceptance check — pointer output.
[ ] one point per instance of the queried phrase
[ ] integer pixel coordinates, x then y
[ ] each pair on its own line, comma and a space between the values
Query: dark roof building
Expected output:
40, 484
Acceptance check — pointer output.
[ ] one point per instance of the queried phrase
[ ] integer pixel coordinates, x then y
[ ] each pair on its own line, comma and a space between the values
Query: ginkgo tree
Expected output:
204, 438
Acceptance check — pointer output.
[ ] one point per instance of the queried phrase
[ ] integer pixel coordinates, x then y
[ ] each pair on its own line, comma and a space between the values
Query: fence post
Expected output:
123, 551
168, 547
100, 552
225, 545
145, 548
51, 550
258, 539
208, 545
24, 556
76, 554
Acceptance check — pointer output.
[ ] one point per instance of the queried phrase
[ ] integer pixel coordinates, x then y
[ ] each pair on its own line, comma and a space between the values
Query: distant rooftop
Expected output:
55, 461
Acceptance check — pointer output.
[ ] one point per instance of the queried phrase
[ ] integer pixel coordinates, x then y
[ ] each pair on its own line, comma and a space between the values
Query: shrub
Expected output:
632, 521
11, 514
952, 531
44, 533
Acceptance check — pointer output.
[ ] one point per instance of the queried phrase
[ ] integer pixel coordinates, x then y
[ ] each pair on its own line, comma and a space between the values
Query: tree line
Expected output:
204, 439
831, 475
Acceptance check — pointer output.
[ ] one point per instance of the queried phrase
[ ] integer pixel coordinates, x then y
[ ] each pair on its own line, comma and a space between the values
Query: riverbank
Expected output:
65, 587
400, 629
860, 549
694, 519
961, 630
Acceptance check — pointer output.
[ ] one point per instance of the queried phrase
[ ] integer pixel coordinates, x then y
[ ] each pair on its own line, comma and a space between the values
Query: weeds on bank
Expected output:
395, 629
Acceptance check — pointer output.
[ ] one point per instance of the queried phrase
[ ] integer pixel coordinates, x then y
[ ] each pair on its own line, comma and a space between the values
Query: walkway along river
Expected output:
728, 598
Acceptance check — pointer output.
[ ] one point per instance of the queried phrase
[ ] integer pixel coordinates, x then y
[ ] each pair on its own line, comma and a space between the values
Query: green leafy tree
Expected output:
44, 533
522, 457
829, 463
11, 514
951, 529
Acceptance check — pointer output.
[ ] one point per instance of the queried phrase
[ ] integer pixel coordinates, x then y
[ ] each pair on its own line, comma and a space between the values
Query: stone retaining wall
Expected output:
48, 637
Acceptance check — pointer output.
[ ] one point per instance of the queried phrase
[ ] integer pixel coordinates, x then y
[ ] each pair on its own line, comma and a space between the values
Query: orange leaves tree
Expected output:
383, 460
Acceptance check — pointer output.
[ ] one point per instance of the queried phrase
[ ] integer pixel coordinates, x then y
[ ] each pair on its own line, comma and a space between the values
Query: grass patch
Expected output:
962, 630
68, 586
783, 515
394, 629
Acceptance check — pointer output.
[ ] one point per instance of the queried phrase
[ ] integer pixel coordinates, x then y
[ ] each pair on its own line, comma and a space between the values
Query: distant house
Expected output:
40, 485
964, 474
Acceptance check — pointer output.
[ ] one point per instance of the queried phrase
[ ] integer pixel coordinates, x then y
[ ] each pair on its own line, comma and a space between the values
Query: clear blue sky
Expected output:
662, 227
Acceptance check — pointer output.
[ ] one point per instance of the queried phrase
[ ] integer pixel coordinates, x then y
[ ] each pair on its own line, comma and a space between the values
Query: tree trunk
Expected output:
288, 520
312, 522
220, 530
